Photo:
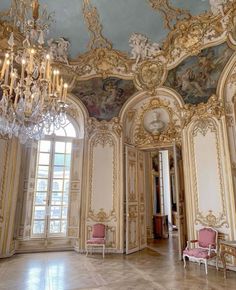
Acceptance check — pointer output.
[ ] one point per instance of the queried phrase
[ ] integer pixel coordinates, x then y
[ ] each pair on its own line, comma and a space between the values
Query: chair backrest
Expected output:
206, 237
99, 231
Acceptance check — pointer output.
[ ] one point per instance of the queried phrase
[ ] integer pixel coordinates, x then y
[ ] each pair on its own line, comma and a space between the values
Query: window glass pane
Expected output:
39, 212
60, 147
67, 172
55, 227
58, 172
68, 147
60, 132
44, 158
40, 198
45, 146
42, 185
63, 226
38, 227
70, 130
43, 171
67, 161
57, 185
64, 212
55, 212
56, 198
66, 185
59, 159
65, 198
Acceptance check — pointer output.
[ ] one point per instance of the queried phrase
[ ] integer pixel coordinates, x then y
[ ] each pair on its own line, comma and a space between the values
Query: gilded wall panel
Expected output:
208, 178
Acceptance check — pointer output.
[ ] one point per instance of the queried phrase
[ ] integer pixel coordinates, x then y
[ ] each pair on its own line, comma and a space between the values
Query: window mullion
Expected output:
50, 184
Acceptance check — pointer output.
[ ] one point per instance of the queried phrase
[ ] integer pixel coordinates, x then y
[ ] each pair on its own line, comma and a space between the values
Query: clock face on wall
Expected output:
156, 120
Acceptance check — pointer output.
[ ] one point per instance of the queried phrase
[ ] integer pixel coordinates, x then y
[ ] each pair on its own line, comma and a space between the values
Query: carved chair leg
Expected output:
217, 266
206, 266
103, 251
86, 251
184, 258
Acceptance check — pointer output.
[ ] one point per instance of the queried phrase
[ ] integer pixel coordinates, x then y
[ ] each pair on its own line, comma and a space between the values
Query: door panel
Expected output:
179, 181
142, 201
135, 201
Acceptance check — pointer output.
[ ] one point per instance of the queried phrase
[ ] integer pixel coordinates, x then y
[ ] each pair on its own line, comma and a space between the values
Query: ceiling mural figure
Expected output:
196, 78
104, 98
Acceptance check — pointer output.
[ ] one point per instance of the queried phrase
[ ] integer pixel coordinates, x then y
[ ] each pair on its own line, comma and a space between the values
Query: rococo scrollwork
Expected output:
150, 134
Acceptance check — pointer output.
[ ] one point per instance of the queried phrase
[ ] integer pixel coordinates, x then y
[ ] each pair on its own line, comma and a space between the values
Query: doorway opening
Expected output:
162, 221
154, 199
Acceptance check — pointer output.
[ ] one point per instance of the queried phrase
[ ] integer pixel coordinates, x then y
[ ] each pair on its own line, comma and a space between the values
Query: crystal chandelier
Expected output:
32, 93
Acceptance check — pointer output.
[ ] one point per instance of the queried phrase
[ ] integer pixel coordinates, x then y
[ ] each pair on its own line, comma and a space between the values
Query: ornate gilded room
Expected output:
141, 97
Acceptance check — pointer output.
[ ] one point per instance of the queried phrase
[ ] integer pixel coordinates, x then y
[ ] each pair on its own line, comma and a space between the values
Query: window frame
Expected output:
53, 138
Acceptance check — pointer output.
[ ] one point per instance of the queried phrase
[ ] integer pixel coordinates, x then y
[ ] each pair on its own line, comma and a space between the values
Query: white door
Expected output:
135, 200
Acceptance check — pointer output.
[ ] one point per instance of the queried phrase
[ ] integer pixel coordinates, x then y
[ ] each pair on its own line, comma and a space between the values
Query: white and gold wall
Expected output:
102, 199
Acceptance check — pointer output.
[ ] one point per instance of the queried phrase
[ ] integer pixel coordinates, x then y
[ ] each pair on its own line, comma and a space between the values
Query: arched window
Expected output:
51, 195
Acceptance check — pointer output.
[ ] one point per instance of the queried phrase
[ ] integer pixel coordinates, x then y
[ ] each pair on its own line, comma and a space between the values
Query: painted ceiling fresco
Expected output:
196, 78
104, 98
119, 18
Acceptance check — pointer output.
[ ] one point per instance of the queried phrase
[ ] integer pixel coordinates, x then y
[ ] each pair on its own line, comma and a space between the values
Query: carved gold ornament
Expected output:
213, 108
170, 13
150, 75
172, 130
93, 22
102, 62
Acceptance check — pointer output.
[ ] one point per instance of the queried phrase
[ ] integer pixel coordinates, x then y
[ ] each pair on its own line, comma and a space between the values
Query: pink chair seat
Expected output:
96, 241
98, 238
199, 253
205, 247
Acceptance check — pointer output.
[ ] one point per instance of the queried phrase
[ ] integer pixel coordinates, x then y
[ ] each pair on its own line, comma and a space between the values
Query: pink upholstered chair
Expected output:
98, 238
205, 248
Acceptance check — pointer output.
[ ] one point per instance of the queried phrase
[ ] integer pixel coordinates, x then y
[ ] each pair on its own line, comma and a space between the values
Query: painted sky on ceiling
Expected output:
120, 18
104, 98
196, 78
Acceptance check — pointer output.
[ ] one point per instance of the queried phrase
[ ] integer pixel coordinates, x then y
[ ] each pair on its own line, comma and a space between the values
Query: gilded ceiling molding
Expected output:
170, 14
92, 19
102, 62
149, 66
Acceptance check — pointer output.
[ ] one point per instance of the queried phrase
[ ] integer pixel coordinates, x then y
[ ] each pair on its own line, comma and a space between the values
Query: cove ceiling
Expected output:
108, 50
119, 18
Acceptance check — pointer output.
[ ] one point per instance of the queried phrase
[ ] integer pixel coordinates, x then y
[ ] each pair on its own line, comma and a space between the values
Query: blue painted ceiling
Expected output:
120, 18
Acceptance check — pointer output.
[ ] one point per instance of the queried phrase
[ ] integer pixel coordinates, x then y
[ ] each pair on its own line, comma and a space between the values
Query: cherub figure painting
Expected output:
196, 78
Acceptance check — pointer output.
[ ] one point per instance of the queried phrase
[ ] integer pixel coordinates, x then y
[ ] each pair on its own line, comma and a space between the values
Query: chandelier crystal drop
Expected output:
32, 93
